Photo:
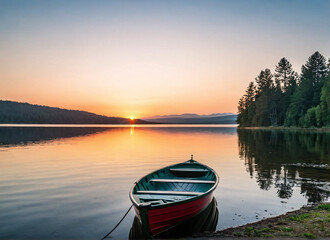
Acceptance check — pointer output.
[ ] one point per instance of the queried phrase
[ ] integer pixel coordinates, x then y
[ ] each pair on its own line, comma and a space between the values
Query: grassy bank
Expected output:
325, 129
307, 222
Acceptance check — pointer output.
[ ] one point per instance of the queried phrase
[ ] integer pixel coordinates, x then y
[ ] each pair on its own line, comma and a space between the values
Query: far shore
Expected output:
115, 125
323, 129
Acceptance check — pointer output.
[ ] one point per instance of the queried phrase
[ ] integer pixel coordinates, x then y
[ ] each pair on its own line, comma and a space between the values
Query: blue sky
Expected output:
151, 57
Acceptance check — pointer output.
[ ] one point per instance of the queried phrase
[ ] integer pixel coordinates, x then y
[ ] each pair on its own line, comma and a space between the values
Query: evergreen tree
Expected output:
324, 116
285, 82
264, 81
244, 106
313, 74
307, 95
240, 115
249, 102
288, 99
263, 108
283, 74
249, 94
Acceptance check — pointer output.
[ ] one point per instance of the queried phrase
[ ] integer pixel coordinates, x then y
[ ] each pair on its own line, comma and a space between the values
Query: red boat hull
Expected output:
161, 219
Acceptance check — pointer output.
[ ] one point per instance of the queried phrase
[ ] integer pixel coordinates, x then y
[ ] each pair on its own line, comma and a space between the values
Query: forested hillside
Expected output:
15, 112
284, 98
228, 119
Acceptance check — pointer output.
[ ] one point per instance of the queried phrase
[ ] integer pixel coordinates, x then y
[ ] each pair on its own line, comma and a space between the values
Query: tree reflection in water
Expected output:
285, 159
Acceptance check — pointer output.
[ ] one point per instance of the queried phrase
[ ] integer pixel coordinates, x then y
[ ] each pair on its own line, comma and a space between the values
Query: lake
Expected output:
73, 182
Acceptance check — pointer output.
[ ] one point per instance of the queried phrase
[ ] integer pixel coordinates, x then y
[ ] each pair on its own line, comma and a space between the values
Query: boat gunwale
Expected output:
149, 206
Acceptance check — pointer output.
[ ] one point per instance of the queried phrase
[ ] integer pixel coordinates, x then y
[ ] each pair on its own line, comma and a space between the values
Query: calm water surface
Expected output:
73, 182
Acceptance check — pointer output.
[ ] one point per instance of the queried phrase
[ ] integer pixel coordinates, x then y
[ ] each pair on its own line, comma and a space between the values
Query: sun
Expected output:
132, 117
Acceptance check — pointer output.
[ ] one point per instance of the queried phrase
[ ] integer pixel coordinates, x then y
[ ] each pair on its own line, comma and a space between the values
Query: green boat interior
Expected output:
174, 183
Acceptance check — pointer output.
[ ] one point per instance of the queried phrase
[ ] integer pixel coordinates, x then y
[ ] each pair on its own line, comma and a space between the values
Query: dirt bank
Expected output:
307, 222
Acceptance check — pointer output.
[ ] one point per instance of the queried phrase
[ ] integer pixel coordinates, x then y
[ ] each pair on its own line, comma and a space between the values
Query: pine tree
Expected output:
288, 99
312, 78
263, 108
324, 116
244, 106
250, 94
285, 80
249, 102
283, 74
241, 110
307, 94
264, 81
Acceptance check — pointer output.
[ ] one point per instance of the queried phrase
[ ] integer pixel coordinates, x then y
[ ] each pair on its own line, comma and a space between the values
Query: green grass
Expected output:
287, 229
309, 235
317, 215
237, 234
308, 223
263, 230
268, 235
248, 230
300, 218
324, 206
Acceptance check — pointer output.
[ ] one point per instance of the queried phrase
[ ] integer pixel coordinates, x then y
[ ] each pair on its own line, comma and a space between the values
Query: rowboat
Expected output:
205, 221
171, 195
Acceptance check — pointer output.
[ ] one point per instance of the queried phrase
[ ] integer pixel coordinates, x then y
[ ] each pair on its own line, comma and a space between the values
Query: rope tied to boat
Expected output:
118, 223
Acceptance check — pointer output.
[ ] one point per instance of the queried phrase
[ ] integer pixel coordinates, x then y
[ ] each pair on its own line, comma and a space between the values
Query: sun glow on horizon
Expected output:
150, 58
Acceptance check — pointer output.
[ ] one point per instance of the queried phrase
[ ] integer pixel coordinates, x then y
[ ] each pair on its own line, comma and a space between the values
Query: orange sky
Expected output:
147, 58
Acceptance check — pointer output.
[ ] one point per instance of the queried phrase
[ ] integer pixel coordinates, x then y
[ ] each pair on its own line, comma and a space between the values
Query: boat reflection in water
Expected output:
205, 221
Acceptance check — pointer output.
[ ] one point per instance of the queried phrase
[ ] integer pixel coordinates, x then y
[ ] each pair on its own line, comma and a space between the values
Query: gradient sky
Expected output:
142, 58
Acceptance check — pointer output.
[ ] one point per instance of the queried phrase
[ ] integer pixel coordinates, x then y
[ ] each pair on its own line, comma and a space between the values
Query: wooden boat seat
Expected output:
199, 170
146, 199
170, 193
182, 181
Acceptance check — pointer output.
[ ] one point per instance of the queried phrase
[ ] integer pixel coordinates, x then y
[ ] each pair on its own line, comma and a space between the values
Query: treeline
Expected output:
228, 119
288, 99
15, 112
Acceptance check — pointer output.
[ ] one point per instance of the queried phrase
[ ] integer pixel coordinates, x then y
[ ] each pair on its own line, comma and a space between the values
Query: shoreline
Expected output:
325, 129
121, 125
306, 222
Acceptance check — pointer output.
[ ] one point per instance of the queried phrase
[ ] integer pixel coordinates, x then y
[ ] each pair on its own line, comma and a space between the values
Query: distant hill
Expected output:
225, 119
16, 112
189, 115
